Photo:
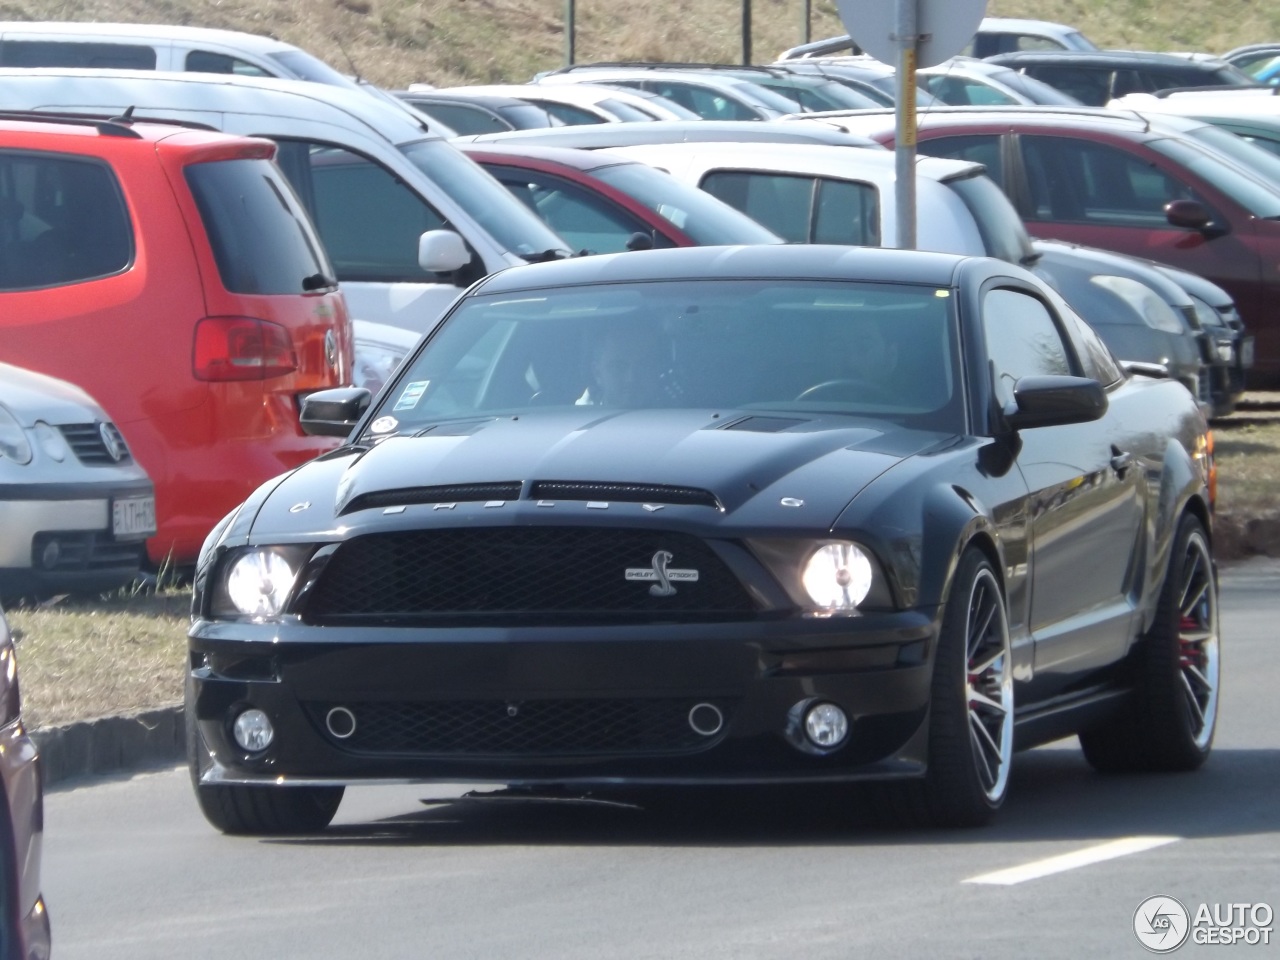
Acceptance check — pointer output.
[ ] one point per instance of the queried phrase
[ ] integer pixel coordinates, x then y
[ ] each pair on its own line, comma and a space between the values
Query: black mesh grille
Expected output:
622, 493
532, 727
520, 570
447, 493
85, 440
84, 551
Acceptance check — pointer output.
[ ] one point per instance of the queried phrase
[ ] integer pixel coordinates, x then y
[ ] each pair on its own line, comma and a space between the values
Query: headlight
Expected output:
1207, 317
837, 577
257, 583
826, 577
13, 439
52, 442
1156, 313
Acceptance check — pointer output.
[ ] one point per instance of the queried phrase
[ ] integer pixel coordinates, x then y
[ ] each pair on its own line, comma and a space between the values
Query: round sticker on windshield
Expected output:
384, 424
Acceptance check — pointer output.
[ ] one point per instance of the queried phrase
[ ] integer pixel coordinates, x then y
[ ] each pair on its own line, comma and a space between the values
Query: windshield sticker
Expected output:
412, 394
384, 424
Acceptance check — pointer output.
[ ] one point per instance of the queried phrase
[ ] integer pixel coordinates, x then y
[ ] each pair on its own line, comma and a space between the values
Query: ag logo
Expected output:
1161, 924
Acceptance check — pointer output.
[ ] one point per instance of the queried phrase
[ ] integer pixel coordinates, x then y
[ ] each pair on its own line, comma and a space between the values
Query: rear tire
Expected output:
1170, 723
970, 711
252, 810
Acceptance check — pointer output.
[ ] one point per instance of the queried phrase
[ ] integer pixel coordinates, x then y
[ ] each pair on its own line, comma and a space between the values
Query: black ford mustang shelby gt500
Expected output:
719, 515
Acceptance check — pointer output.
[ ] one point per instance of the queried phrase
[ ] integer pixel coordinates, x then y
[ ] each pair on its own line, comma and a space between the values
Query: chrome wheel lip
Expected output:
1198, 641
989, 686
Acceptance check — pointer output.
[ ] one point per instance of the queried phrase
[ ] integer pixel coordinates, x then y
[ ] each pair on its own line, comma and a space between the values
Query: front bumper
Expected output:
583, 705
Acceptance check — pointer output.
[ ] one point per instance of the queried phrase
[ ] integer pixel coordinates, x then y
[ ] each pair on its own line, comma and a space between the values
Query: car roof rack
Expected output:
108, 123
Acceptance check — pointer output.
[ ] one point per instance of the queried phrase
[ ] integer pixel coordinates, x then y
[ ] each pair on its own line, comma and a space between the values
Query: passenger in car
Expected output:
631, 366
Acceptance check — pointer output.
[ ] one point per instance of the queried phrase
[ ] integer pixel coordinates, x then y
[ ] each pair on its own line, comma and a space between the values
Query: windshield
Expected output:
306, 67
703, 218
1003, 234
1254, 195
795, 347
507, 220
1253, 159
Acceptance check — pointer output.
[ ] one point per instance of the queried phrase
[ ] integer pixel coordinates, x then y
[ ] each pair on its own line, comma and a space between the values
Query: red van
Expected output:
173, 274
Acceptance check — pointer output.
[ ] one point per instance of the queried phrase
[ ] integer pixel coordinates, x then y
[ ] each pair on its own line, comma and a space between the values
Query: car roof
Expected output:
451, 95
1106, 58
816, 261
604, 135
872, 122
249, 42
157, 93
1261, 103
806, 158
61, 124
1047, 28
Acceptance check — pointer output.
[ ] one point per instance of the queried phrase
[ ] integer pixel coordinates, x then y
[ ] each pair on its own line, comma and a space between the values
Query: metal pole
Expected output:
569, 29
905, 138
746, 32
806, 18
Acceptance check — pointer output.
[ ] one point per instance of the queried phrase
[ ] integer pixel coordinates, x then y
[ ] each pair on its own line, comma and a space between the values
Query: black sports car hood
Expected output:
748, 470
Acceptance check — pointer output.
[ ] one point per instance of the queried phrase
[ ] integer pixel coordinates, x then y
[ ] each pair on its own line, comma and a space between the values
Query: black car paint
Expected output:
918, 501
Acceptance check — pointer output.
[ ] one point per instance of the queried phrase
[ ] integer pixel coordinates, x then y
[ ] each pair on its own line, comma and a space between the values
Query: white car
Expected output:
707, 93
812, 193
75, 507
144, 46
995, 35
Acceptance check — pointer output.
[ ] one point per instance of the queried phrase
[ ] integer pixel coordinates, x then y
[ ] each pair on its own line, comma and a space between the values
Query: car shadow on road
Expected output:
1054, 796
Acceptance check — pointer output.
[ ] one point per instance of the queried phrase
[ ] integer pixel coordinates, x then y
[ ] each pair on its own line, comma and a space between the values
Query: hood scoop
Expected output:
763, 424
623, 493
444, 493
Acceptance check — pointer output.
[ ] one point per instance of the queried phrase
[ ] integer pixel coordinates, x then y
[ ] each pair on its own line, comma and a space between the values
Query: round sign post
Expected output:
910, 34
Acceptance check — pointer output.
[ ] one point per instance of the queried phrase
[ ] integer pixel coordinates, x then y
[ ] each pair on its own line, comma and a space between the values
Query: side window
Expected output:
963, 92
1082, 181
202, 61
568, 115
260, 236
1090, 87
1022, 340
463, 118
978, 148
586, 220
781, 202
62, 53
369, 220
703, 101
62, 220
846, 212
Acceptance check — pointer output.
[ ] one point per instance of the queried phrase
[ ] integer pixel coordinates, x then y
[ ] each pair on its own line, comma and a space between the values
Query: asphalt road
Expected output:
133, 871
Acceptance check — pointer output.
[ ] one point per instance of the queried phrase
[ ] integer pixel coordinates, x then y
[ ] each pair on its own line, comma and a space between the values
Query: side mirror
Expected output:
333, 413
1190, 215
442, 251
1055, 401
640, 241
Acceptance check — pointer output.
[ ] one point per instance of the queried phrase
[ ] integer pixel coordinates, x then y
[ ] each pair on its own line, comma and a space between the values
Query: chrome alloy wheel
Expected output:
989, 685
1198, 650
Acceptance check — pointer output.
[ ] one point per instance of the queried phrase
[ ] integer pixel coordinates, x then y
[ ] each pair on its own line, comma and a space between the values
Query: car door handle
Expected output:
1121, 461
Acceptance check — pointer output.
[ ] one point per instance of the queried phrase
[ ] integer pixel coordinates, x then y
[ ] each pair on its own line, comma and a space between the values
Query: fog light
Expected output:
253, 731
50, 555
826, 725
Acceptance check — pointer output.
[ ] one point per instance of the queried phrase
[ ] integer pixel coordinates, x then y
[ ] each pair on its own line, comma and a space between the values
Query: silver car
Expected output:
75, 507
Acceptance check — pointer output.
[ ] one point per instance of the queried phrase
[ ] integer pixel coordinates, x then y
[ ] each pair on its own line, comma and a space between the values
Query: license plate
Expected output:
1246, 352
133, 518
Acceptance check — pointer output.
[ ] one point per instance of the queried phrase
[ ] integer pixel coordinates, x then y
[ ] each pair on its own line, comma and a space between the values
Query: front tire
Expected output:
1170, 723
971, 708
245, 810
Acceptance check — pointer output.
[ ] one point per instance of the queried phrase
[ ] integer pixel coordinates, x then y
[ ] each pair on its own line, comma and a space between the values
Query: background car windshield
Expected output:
875, 349
704, 219
514, 226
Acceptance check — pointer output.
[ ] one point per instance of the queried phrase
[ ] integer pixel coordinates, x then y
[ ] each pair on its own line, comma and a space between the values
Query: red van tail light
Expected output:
242, 348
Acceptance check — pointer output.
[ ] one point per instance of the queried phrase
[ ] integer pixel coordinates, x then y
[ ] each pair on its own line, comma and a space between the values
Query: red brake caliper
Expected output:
1190, 653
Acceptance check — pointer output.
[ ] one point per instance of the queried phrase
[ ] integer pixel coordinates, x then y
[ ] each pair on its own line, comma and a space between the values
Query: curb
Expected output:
109, 745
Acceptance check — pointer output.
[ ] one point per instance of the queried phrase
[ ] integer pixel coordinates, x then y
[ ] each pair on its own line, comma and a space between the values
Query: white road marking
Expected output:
1070, 861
